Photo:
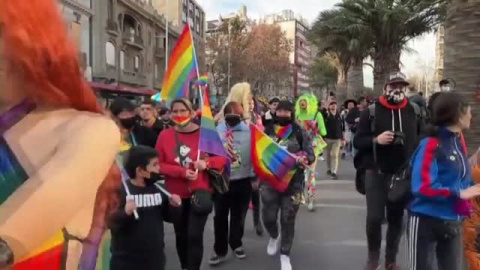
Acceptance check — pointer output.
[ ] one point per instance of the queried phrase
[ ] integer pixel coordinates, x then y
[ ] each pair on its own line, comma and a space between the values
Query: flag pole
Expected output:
198, 75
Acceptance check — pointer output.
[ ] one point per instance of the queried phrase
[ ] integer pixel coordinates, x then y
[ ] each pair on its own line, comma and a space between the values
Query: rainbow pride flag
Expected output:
182, 68
209, 139
202, 81
51, 255
271, 163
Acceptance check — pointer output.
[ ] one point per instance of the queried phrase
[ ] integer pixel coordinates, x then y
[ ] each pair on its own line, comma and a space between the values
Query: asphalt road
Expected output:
331, 238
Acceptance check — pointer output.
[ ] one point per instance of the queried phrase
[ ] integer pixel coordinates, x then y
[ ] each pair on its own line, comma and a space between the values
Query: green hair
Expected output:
312, 105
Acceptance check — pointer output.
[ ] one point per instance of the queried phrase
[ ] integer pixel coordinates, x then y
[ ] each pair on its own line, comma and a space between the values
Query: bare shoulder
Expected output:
94, 127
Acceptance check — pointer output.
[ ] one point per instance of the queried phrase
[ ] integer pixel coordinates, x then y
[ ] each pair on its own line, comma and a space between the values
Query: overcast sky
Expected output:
424, 47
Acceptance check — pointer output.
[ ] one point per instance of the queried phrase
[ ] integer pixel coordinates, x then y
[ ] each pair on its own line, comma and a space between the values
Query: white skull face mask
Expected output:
395, 93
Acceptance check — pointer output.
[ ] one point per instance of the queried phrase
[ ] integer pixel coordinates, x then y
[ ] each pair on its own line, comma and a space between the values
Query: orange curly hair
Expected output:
37, 47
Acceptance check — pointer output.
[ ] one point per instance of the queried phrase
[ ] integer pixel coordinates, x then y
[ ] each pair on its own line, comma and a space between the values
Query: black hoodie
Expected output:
139, 243
390, 158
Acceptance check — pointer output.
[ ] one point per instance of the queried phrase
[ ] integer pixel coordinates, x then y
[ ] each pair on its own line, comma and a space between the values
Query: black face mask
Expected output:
154, 177
232, 121
128, 123
283, 121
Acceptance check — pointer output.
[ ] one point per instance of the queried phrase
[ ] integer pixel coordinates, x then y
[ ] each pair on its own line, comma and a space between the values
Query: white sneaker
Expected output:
285, 262
272, 247
311, 206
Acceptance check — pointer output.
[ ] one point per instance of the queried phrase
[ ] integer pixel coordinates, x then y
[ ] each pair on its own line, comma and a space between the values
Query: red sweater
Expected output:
174, 172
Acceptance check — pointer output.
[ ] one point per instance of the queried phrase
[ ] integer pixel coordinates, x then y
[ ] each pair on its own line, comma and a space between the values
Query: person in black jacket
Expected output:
133, 133
149, 117
335, 138
385, 142
137, 224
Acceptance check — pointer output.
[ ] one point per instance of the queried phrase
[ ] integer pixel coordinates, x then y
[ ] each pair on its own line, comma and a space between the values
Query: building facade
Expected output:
129, 43
295, 28
181, 12
439, 53
77, 15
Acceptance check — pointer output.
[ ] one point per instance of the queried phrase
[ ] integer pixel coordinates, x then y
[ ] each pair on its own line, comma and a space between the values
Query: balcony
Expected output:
159, 52
133, 40
133, 78
112, 28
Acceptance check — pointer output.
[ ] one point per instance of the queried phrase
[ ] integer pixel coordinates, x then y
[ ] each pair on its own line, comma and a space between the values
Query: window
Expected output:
110, 53
184, 16
122, 60
190, 22
198, 27
137, 63
156, 71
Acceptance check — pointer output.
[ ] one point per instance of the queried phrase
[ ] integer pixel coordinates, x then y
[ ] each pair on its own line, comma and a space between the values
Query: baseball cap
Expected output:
274, 100
285, 105
396, 77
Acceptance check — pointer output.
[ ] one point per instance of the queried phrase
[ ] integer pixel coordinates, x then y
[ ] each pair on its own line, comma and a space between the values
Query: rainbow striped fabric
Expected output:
283, 132
209, 139
271, 163
202, 81
182, 68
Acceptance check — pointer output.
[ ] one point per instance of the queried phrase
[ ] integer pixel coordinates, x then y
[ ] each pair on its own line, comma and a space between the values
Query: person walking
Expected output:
187, 177
311, 120
335, 138
388, 133
442, 188
296, 142
235, 135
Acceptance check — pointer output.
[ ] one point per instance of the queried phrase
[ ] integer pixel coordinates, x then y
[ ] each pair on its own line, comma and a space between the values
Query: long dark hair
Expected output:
446, 110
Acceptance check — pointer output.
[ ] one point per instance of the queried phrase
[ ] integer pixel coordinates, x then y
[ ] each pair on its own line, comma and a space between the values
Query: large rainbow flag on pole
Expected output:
271, 163
209, 139
182, 68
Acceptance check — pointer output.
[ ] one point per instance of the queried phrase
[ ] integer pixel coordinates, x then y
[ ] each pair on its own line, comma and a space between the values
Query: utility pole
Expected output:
229, 58
166, 38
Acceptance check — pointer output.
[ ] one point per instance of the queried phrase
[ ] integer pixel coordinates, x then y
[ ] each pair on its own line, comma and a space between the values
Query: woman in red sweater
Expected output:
187, 177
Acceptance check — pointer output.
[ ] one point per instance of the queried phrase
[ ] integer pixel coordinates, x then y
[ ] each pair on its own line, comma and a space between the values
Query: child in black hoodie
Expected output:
137, 225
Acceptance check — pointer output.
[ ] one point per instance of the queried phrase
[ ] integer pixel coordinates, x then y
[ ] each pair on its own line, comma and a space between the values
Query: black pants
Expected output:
427, 236
154, 261
256, 206
288, 204
234, 203
189, 227
376, 187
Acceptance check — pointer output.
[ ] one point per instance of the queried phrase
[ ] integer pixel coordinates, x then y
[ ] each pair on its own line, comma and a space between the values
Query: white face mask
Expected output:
445, 88
395, 93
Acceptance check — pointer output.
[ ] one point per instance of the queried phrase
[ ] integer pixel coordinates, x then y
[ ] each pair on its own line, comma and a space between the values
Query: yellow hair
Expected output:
240, 92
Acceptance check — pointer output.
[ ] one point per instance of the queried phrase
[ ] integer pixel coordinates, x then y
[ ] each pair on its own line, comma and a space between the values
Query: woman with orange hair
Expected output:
56, 146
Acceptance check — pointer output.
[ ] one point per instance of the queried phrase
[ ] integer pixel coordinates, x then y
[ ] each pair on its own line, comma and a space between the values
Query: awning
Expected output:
122, 89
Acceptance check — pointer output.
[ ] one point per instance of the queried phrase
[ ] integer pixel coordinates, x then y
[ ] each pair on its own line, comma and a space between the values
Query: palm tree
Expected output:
462, 57
385, 27
346, 51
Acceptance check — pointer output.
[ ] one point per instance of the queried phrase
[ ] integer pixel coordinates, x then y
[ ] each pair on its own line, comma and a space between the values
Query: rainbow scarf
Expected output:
182, 68
271, 163
283, 132
181, 120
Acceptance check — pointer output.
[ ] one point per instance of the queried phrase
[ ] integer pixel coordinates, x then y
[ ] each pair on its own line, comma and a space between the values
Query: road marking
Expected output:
347, 206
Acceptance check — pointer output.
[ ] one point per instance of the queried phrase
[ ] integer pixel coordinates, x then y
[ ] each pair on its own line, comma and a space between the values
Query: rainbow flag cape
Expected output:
202, 81
209, 139
271, 162
182, 68
51, 255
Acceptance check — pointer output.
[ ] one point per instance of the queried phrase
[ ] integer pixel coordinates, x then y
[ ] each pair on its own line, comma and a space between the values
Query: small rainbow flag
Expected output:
182, 68
209, 139
202, 81
283, 132
271, 163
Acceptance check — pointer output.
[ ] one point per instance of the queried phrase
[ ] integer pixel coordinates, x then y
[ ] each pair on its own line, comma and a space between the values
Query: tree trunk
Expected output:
462, 58
355, 81
341, 92
386, 61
